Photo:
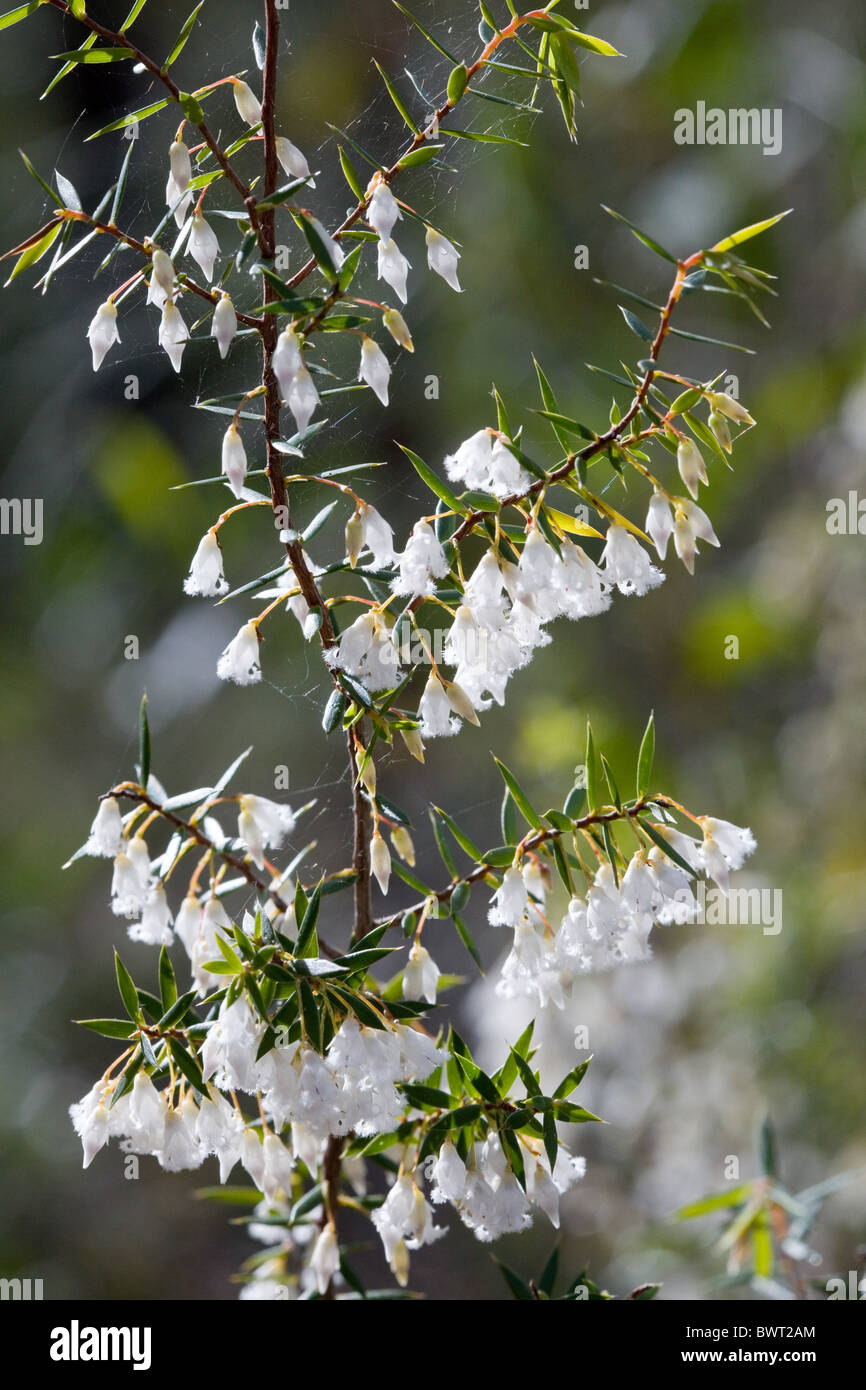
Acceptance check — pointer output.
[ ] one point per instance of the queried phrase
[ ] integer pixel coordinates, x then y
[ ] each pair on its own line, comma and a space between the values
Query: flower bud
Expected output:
102, 332
719, 426
354, 538
248, 104
460, 702
414, 743
727, 405
380, 861
224, 325
396, 325
203, 245
173, 333
402, 842
442, 258
234, 459
291, 158
691, 465
181, 165
374, 369
366, 771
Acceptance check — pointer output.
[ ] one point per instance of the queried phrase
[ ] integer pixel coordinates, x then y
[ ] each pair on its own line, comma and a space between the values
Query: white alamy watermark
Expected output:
20, 1290
77, 1343
738, 125
22, 516
708, 906
846, 516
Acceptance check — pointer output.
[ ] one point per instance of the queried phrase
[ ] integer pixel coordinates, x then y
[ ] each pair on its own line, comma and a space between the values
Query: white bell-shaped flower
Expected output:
302, 398
102, 332
203, 245
375, 368
234, 459
161, 277
240, 660
224, 324
173, 333
383, 211
659, 524
292, 159
442, 258
248, 104
206, 576
393, 267
287, 360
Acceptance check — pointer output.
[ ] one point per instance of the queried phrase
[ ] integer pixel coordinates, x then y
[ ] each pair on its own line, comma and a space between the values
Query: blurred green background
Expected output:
724, 1023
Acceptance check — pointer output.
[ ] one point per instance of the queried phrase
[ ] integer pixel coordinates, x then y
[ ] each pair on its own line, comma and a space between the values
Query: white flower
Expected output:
720, 428
161, 278
448, 1175
240, 660
234, 459
173, 333
422, 561
626, 563
91, 1122
224, 324
727, 405
206, 569
366, 650
178, 200
510, 900
375, 368
380, 861
725, 846
471, 463
180, 1148
154, 929
442, 257
659, 523
292, 160
325, 1259
690, 463
287, 360
421, 976
147, 1111
248, 104
302, 398
434, 710
106, 832
102, 332
377, 535
383, 211
187, 923
405, 1221
130, 880
203, 245
263, 824
396, 325
181, 165
393, 267
277, 1175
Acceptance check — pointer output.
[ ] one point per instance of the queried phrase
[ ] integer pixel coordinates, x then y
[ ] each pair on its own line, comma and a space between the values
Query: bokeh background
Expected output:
725, 1023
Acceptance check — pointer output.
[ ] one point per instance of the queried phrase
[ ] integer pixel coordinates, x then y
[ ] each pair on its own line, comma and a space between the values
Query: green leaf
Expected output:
108, 1027
191, 107
307, 944
611, 782
95, 55
519, 1287
13, 16
167, 981
395, 97
767, 1149
350, 174
36, 251
645, 758
746, 233
127, 990
457, 79
180, 41
522, 801
187, 1064
574, 802
592, 796
132, 118
484, 137
334, 711
571, 1082
716, 1201
422, 155
462, 839
435, 484
574, 1114
636, 324
468, 942
663, 844
594, 45
143, 743
547, 1278
426, 32
641, 236
178, 1010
